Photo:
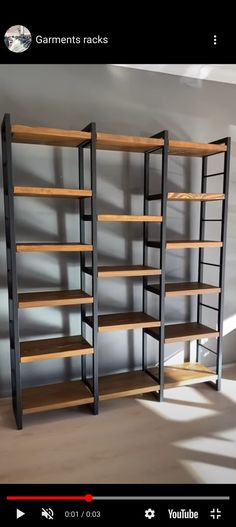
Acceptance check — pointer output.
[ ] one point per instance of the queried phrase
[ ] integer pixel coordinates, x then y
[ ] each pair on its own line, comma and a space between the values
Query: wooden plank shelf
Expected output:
190, 196
127, 143
185, 289
193, 149
186, 244
143, 144
128, 217
52, 247
127, 270
54, 298
123, 321
184, 332
52, 192
56, 348
108, 271
37, 135
185, 374
74, 138
126, 384
55, 396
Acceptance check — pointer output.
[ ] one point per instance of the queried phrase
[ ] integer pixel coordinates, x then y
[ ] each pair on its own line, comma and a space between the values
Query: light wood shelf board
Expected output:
185, 289
55, 396
52, 247
186, 244
53, 298
54, 348
127, 270
48, 136
52, 192
126, 384
184, 332
74, 138
124, 321
128, 218
185, 374
191, 196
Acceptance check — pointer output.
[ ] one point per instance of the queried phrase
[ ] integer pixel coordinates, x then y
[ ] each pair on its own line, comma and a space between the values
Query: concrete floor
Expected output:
190, 438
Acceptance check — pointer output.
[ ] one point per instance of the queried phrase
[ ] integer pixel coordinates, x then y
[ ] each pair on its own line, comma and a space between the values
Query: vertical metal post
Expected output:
94, 266
201, 250
164, 175
222, 262
82, 255
145, 238
11, 269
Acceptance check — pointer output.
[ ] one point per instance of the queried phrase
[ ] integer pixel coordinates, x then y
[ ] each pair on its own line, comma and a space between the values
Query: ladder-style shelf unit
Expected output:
190, 373
148, 378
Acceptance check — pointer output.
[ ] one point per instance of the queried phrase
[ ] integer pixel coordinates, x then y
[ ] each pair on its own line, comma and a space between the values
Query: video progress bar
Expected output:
89, 498
163, 498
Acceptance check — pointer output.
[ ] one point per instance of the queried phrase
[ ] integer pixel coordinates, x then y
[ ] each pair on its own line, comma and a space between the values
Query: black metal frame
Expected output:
92, 217
91, 128
163, 196
221, 265
11, 269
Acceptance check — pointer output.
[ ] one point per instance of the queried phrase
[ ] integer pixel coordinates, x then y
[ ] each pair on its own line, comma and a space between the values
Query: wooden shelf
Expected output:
186, 244
74, 138
128, 217
108, 271
192, 149
48, 136
55, 396
127, 143
185, 289
52, 247
192, 244
185, 374
143, 144
124, 321
52, 192
54, 298
188, 196
57, 348
126, 384
184, 332
183, 196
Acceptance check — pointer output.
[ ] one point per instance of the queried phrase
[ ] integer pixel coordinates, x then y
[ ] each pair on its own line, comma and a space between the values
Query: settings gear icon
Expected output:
149, 513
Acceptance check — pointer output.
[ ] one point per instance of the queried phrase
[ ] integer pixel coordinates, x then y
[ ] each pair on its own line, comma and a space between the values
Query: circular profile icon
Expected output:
17, 39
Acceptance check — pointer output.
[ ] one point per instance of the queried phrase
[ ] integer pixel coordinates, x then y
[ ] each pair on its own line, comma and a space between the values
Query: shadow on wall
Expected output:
43, 220
43, 271
119, 107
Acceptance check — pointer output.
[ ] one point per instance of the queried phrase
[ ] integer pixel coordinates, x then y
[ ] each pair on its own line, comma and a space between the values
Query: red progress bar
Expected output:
87, 497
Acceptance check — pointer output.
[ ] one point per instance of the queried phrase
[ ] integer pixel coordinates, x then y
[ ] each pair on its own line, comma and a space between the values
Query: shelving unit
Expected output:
147, 379
136, 382
191, 373
70, 393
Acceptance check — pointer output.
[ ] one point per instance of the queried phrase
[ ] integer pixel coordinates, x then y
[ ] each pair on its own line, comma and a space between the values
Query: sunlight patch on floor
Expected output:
210, 445
228, 435
206, 473
229, 325
229, 389
177, 412
190, 394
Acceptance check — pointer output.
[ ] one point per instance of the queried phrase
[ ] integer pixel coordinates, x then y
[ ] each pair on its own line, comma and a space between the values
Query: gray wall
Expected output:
126, 102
